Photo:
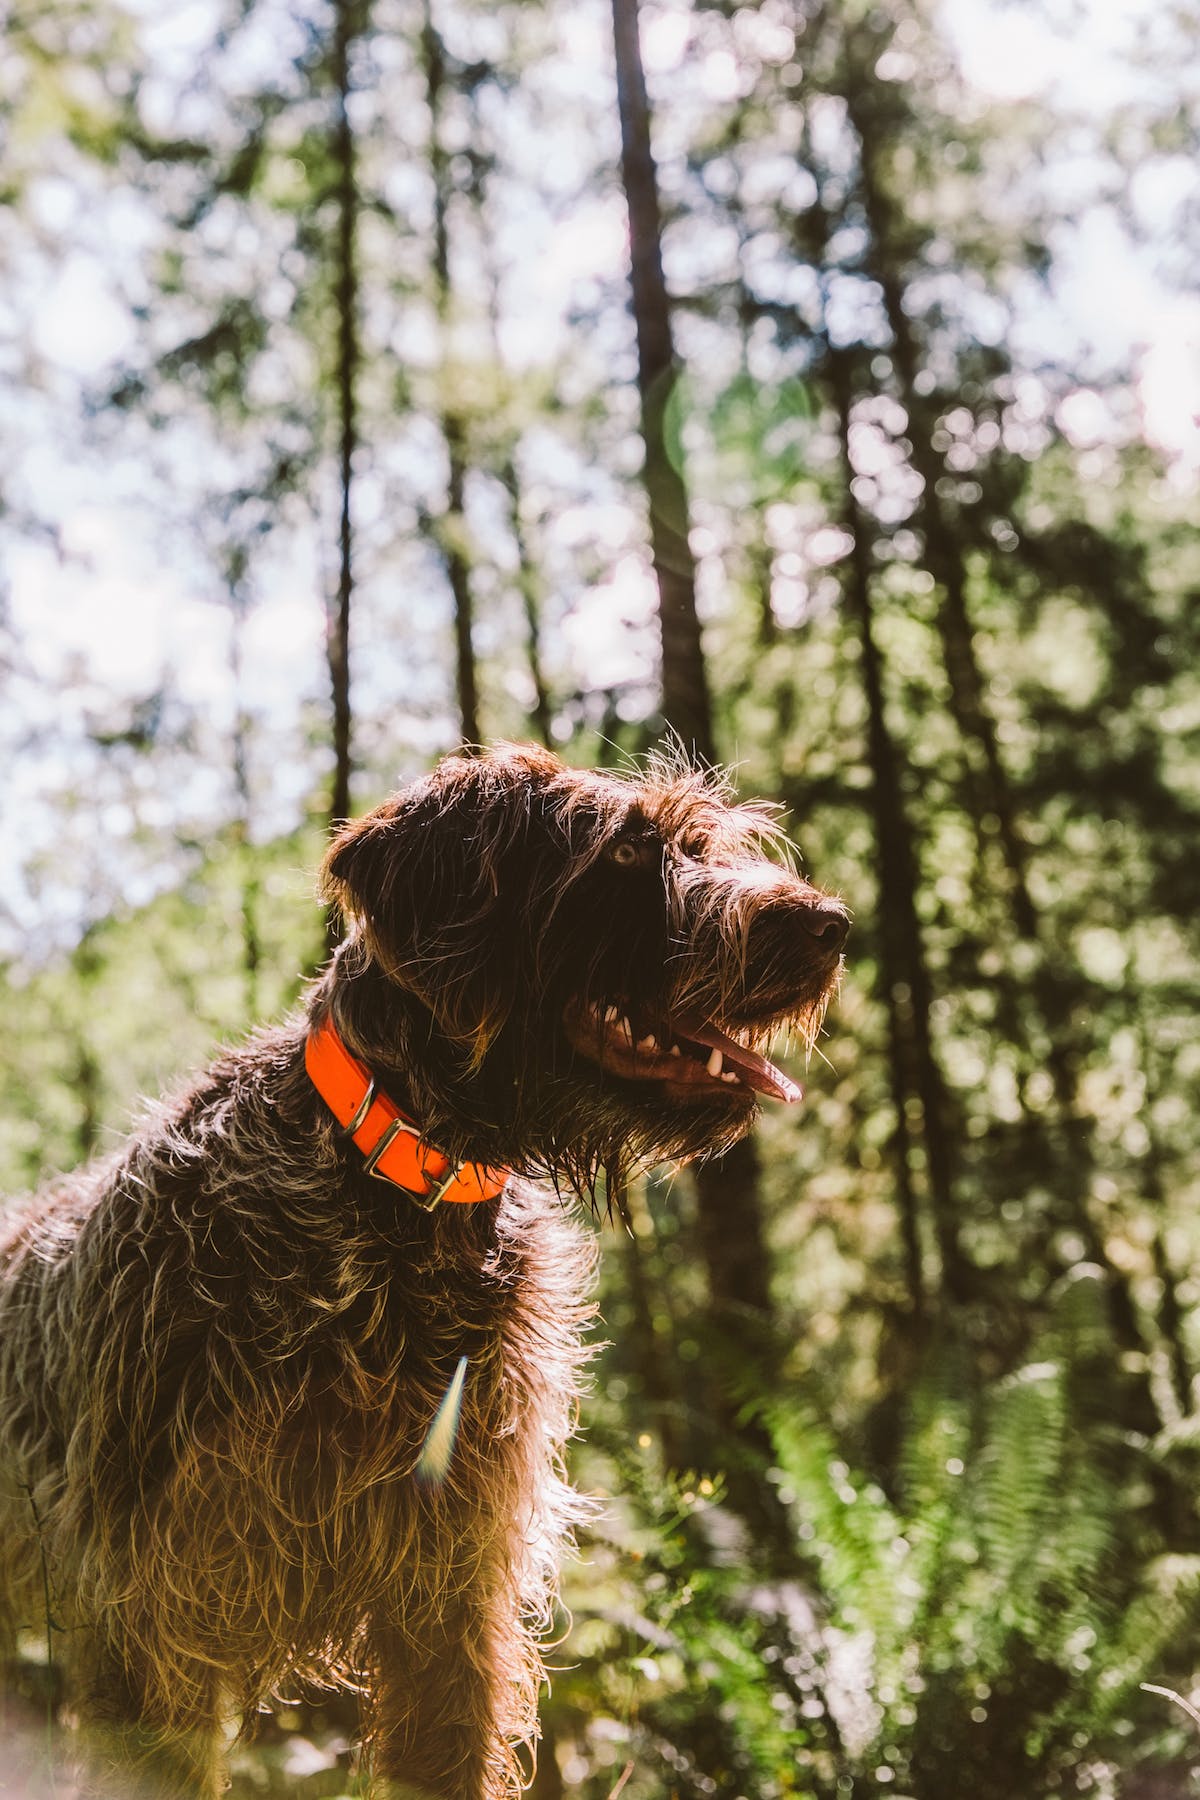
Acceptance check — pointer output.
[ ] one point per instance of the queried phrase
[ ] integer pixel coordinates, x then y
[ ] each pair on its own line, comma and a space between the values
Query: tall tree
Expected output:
948, 518
348, 26
450, 528
235, 555
684, 676
916, 1079
502, 454
731, 1226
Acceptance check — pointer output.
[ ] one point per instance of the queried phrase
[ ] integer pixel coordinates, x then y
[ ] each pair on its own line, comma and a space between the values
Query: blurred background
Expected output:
335, 432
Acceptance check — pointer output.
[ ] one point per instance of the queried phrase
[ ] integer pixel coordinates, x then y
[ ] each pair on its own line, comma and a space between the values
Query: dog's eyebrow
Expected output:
685, 822
636, 823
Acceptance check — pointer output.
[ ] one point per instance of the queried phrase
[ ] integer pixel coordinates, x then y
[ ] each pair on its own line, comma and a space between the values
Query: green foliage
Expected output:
74, 1072
941, 1519
989, 1619
680, 1664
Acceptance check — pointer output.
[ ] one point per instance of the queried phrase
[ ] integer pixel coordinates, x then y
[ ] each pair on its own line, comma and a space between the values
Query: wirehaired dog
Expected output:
285, 1384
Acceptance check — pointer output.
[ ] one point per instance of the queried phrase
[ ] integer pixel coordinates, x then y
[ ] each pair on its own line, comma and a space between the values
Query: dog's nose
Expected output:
827, 924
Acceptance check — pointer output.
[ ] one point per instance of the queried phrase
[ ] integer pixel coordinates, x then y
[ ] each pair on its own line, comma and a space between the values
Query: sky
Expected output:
121, 598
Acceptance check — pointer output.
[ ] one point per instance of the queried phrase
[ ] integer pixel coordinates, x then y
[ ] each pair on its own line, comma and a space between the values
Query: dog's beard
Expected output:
581, 1123
541, 1106
572, 1089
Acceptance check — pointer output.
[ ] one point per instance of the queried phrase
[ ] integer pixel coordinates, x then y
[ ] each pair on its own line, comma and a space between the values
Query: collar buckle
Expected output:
435, 1194
438, 1193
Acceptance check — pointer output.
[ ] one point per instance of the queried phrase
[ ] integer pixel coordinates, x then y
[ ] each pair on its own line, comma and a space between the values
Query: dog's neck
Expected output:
391, 1141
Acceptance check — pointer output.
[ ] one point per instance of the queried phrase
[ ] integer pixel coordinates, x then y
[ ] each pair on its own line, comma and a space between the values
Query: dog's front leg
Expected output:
441, 1726
125, 1753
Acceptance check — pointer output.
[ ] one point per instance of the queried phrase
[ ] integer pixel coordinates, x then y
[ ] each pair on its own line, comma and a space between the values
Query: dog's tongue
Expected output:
755, 1070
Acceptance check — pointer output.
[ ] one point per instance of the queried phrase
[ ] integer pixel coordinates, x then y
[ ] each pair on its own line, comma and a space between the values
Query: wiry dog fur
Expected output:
221, 1349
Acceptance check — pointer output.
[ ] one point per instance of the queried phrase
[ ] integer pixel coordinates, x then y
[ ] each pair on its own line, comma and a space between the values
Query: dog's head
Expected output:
570, 969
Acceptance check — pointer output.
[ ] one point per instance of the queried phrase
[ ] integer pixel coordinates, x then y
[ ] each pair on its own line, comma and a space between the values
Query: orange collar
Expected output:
393, 1146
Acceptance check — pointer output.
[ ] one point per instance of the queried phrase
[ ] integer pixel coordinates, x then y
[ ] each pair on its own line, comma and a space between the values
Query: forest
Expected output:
388, 375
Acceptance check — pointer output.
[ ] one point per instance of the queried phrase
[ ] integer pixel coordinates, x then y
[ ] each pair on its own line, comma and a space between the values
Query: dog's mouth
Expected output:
688, 1053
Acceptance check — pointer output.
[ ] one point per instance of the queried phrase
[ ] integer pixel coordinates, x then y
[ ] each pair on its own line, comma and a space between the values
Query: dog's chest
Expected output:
368, 1343
321, 1473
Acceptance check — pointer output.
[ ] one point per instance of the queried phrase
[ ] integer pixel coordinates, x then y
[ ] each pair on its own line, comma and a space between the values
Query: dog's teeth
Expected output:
674, 1050
611, 1015
714, 1062
624, 1030
648, 1043
728, 1075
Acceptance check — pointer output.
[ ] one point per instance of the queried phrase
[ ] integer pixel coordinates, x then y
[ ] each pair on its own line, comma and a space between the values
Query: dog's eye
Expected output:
635, 853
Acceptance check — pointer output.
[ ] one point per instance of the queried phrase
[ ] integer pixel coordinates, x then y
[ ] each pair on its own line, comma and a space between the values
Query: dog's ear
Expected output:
434, 882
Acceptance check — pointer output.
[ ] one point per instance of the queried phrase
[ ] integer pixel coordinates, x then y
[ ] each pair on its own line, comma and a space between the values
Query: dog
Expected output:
285, 1383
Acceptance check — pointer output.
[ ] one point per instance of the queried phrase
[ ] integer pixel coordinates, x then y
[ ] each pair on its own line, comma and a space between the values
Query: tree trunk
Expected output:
943, 550
684, 677
348, 357
990, 789
453, 425
530, 586
529, 582
992, 792
651, 1349
458, 573
88, 1069
904, 976
731, 1228
248, 883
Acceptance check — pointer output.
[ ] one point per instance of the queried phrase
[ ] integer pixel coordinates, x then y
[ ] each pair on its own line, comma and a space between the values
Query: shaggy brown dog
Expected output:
230, 1356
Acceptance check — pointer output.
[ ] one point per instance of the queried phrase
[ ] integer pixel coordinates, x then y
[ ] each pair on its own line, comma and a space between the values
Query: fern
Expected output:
994, 1604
